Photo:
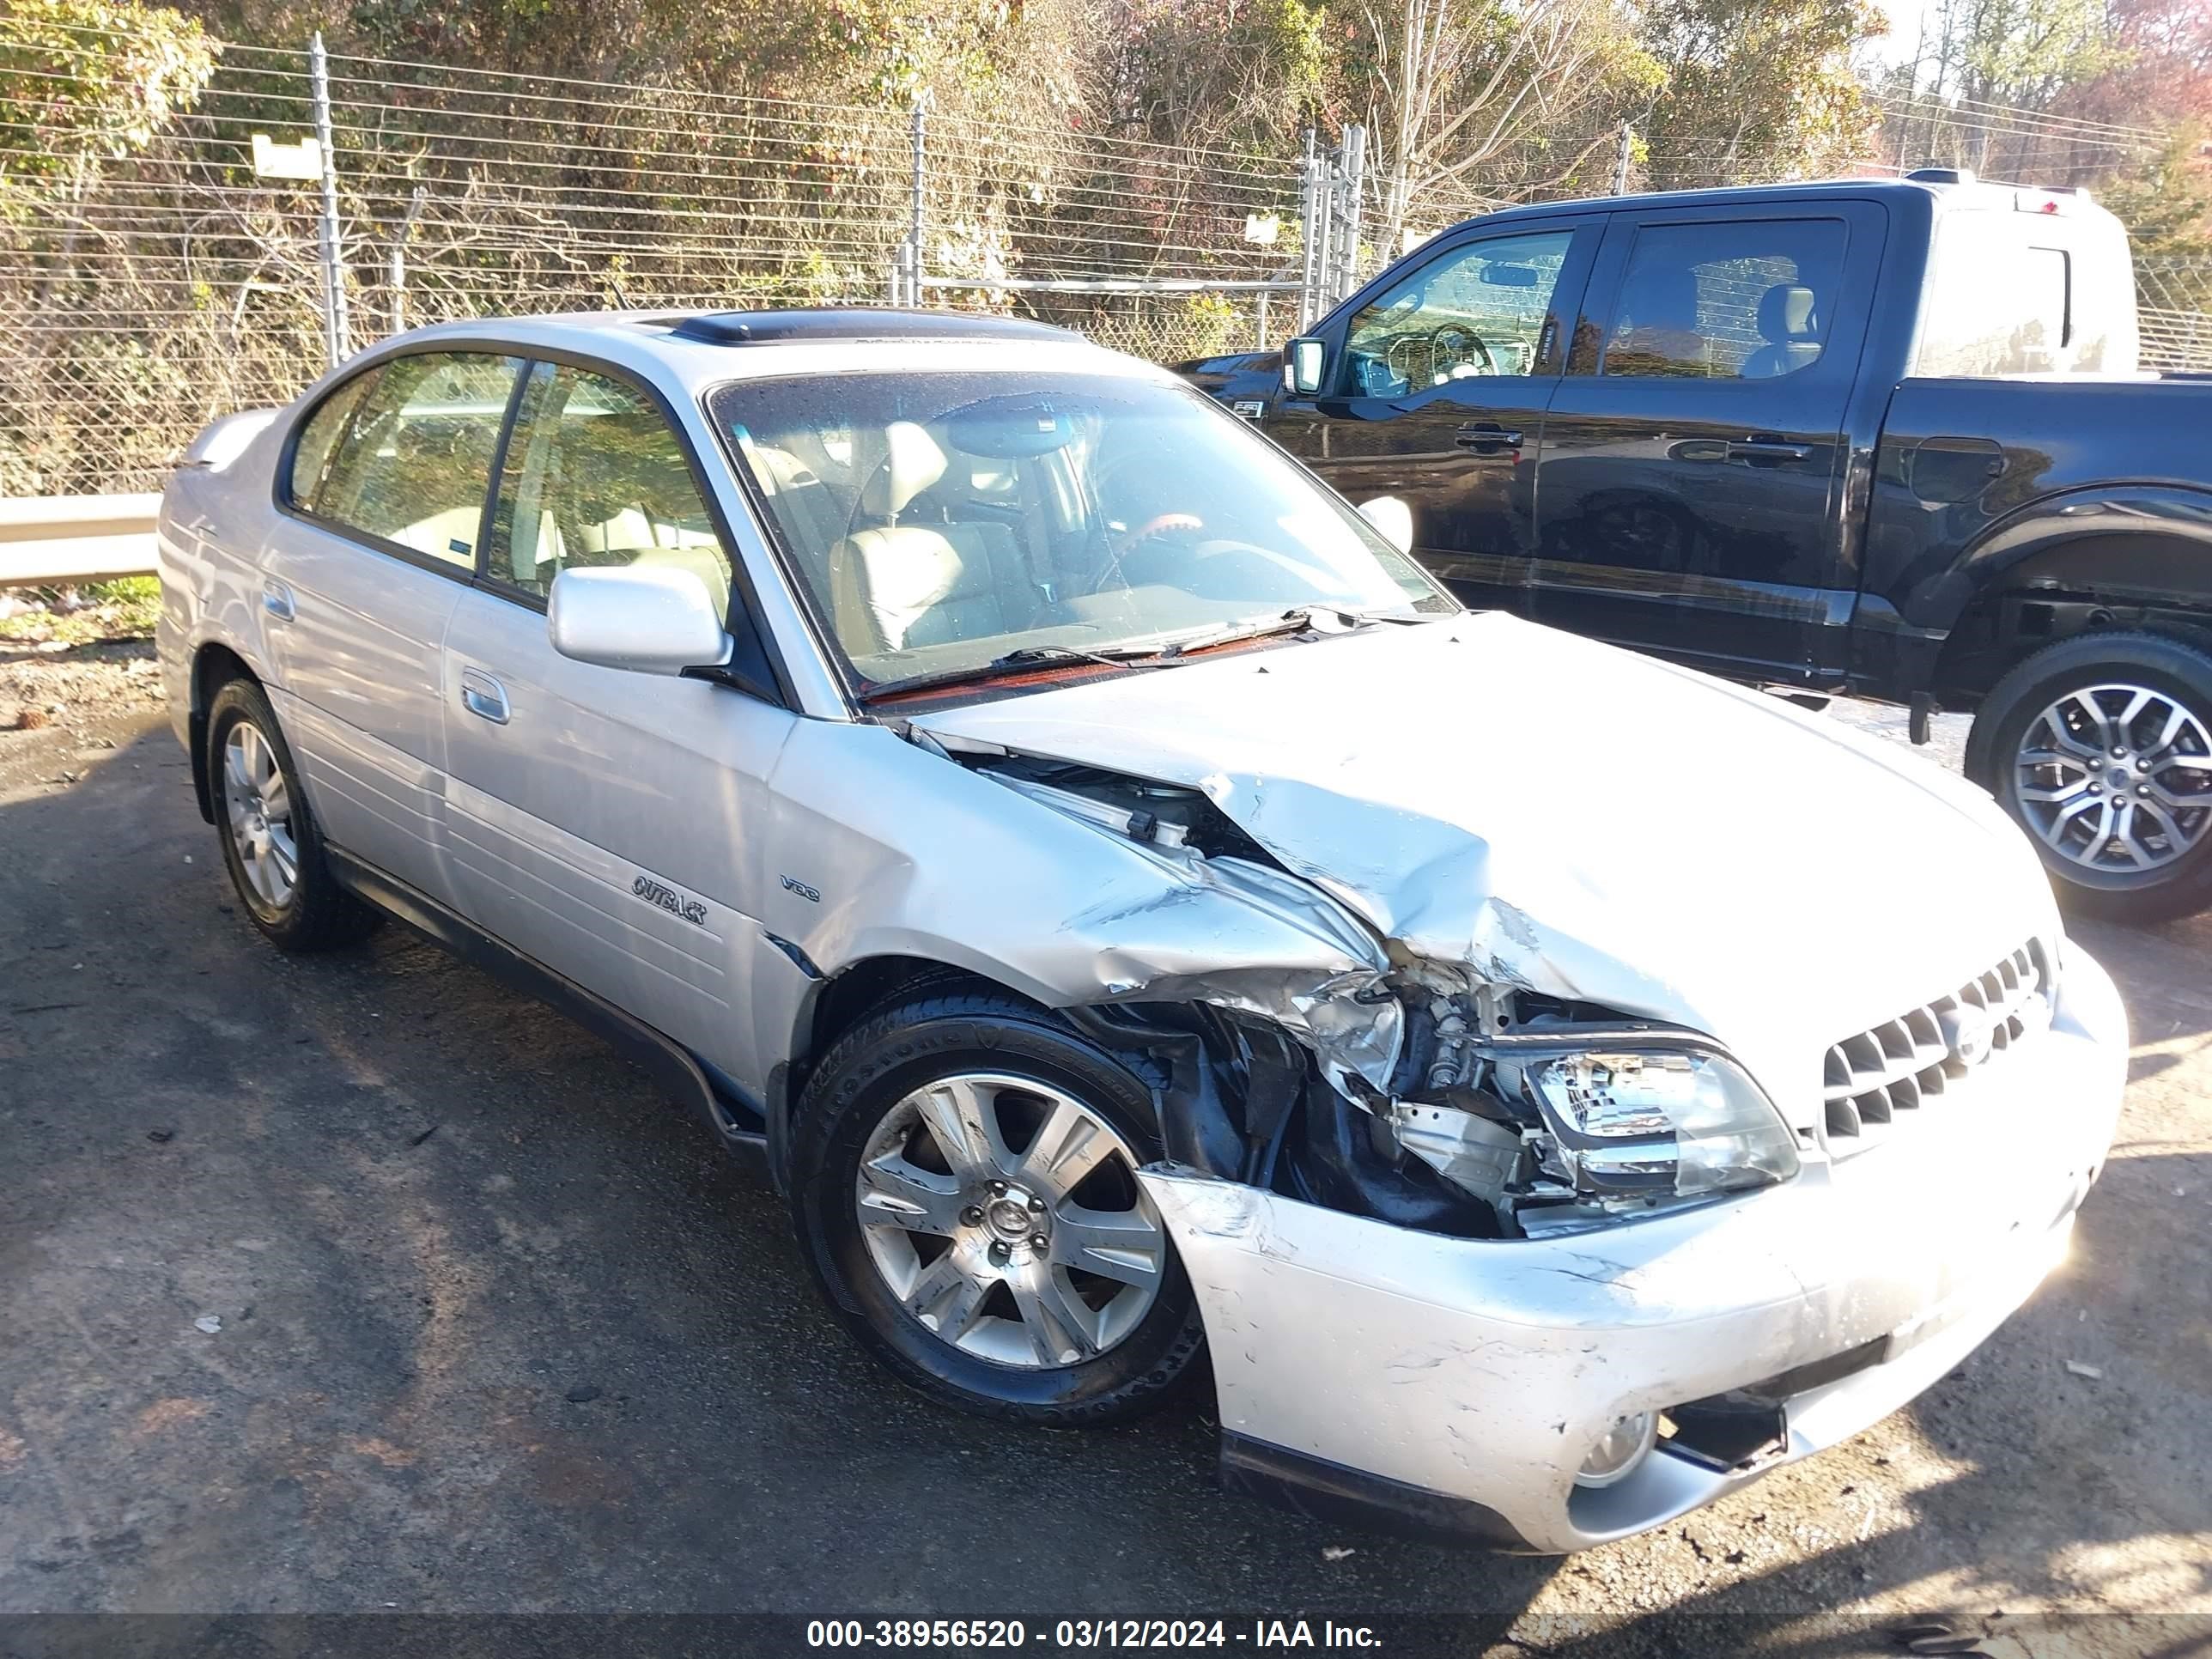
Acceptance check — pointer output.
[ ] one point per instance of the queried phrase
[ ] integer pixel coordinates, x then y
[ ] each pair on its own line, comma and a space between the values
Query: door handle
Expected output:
1764, 448
276, 600
1480, 435
483, 697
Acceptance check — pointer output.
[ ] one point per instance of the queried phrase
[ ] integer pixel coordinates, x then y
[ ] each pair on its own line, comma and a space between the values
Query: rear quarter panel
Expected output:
1976, 479
208, 538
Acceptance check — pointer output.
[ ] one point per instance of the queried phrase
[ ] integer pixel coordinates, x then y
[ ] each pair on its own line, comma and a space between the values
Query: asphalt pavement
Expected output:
358, 1284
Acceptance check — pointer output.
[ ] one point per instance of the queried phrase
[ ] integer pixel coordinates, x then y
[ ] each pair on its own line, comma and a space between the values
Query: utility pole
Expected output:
1621, 159
336, 335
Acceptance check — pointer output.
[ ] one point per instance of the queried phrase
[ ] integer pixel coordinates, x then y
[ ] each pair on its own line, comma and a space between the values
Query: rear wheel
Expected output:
2100, 746
270, 841
966, 1190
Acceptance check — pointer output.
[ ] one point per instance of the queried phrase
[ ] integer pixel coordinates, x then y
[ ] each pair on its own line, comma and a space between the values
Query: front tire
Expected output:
964, 1188
270, 844
2100, 747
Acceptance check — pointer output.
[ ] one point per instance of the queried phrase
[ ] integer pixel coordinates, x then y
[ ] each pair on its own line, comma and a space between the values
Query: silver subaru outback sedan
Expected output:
1135, 913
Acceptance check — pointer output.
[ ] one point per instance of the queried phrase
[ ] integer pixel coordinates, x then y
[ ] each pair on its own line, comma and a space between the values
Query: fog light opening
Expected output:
1621, 1450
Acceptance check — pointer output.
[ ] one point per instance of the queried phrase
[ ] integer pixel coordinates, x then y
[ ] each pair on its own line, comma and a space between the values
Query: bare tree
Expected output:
1521, 90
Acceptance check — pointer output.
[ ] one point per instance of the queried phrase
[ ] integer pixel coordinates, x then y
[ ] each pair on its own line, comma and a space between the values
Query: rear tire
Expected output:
2100, 747
271, 843
897, 1192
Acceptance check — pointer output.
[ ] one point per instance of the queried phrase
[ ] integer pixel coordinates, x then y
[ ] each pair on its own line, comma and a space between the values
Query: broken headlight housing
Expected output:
1648, 1121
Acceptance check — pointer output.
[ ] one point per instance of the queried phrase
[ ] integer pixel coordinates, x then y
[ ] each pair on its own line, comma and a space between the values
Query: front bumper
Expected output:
1458, 1384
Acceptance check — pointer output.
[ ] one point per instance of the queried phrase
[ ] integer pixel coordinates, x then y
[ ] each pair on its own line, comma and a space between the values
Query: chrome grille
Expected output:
1881, 1079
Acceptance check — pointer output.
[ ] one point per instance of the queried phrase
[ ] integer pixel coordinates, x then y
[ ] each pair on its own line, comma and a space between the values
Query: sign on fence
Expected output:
274, 161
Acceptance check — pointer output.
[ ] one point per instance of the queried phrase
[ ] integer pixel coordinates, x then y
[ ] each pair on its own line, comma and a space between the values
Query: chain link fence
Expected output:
2174, 297
142, 295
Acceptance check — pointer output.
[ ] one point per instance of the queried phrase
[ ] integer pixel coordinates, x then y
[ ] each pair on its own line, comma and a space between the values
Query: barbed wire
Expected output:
140, 295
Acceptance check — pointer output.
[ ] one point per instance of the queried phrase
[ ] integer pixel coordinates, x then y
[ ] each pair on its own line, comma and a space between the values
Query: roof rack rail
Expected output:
828, 322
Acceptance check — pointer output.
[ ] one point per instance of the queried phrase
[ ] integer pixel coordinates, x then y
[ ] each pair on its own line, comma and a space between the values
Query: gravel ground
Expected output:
358, 1283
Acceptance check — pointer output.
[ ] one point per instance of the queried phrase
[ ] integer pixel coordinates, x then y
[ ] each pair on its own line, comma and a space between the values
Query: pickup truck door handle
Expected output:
276, 600
1762, 448
1485, 435
483, 697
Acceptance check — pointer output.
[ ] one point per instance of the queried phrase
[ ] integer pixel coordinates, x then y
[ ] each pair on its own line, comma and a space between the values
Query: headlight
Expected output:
1658, 1123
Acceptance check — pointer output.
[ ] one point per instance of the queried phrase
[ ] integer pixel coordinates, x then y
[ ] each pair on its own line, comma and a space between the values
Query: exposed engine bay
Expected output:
1418, 1093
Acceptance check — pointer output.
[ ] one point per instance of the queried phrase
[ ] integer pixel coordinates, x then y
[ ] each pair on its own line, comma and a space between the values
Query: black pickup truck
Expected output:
1886, 438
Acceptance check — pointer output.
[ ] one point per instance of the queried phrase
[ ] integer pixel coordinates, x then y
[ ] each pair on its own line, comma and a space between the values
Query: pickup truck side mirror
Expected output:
1304, 361
649, 619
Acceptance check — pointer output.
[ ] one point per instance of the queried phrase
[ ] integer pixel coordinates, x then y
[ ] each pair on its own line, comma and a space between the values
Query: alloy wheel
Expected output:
258, 812
2116, 778
1006, 1217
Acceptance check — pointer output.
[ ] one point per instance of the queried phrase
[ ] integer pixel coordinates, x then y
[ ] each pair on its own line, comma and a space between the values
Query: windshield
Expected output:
941, 522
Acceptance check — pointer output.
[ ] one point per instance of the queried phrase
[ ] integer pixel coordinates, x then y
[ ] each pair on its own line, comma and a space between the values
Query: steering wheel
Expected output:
1168, 528
1455, 345
1403, 371
1163, 527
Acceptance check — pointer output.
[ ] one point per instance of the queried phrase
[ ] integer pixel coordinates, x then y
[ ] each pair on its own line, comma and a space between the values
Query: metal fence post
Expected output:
917, 197
1355, 190
1313, 233
335, 332
396, 267
1621, 159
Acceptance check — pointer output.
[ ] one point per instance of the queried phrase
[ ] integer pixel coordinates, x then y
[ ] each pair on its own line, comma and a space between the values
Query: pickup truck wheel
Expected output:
270, 841
2101, 747
965, 1190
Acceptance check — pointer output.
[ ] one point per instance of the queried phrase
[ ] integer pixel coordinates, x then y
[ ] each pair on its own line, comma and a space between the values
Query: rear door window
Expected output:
311, 454
1739, 299
414, 467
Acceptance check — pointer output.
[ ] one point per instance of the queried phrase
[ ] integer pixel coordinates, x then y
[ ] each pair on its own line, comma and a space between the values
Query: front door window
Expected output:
596, 476
1476, 311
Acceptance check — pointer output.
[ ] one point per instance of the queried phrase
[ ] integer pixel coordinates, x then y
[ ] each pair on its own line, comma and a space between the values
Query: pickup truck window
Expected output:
1478, 309
1998, 303
1731, 299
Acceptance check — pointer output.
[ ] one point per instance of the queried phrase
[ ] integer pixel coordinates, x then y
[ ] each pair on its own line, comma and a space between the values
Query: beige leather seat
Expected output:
801, 504
1789, 324
900, 584
439, 531
616, 491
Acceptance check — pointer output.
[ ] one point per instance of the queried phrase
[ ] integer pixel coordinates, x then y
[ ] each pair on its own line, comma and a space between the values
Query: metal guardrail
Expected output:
51, 540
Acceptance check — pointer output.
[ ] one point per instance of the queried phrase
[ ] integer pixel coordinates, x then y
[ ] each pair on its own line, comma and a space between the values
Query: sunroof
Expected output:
856, 323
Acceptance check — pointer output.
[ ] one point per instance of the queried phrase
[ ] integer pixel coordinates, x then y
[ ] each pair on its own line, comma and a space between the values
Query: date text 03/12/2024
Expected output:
971, 1634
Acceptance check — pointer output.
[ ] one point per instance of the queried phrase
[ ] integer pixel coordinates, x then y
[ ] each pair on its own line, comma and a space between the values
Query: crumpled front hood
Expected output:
1581, 821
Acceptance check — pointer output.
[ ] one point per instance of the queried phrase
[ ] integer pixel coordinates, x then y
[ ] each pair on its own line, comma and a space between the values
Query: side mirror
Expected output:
650, 619
1393, 518
1303, 362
